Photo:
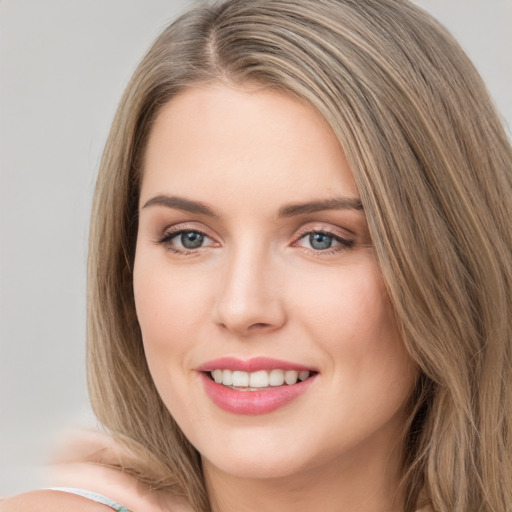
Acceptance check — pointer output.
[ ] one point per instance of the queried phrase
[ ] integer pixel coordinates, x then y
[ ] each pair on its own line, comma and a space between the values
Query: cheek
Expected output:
163, 308
161, 312
349, 306
166, 299
351, 317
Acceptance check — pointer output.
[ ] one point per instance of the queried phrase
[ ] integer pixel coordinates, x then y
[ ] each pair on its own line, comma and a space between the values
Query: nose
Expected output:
250, 299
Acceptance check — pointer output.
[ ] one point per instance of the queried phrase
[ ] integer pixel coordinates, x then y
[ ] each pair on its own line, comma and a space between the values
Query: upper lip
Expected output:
251, 365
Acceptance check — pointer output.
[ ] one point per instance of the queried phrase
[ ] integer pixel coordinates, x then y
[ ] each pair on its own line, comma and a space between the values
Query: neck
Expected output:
358, 483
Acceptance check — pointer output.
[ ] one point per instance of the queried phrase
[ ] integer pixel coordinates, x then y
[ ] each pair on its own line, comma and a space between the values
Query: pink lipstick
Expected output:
255, 386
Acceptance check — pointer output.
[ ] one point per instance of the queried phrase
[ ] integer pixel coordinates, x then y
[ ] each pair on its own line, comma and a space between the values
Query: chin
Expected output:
257, 467
261, 455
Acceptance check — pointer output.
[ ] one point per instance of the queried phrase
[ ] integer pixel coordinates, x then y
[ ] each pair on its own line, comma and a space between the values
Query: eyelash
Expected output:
344, 243
165, 240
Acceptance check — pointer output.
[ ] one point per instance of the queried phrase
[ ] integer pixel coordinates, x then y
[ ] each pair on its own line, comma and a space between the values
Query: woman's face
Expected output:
254, 264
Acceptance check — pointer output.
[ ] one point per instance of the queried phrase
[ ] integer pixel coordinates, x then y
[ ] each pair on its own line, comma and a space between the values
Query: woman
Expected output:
300, 269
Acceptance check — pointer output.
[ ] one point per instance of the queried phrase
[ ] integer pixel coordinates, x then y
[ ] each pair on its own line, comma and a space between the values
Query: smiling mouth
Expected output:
256, 381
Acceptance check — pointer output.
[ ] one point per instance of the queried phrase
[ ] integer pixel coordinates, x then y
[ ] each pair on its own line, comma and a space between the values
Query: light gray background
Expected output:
63, 66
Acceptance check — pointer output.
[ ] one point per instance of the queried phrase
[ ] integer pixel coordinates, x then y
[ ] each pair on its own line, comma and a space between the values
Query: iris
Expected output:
191, 239
320, 241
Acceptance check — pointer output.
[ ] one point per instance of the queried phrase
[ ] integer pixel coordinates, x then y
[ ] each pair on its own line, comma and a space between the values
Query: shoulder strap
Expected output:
93, 496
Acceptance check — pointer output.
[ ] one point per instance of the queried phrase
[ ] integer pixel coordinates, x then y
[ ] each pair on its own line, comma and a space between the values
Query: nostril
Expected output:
259, 325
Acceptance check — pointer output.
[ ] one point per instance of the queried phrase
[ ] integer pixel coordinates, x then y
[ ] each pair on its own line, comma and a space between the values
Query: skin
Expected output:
83, 461
257, 287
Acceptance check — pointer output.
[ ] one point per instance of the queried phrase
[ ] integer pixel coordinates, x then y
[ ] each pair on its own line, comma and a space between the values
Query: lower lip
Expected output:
253, 402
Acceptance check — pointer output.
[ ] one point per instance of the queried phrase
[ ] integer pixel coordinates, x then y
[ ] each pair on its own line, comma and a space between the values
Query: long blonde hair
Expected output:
434, 171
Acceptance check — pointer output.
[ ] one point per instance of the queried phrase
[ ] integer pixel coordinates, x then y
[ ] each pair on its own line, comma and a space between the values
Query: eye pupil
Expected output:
191, 239
320, 241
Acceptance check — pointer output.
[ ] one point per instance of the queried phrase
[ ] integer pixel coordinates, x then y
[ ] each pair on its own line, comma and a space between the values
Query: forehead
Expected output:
218, 140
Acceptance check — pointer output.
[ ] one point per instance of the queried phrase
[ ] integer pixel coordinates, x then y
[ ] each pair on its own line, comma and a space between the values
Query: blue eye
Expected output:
184, 240
191, 239
321, 241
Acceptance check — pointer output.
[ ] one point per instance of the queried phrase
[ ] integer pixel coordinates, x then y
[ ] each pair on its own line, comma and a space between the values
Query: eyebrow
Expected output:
339, 203
180, 203
290, 210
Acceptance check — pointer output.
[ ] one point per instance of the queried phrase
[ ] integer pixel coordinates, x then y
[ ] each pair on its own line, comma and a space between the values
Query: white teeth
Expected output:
276, 377
259, 379
303, 375
240, 379
227, 377
290, 377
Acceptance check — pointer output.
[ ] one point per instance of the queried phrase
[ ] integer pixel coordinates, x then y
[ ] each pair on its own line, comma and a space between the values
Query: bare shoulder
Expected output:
45, 501
87, 459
